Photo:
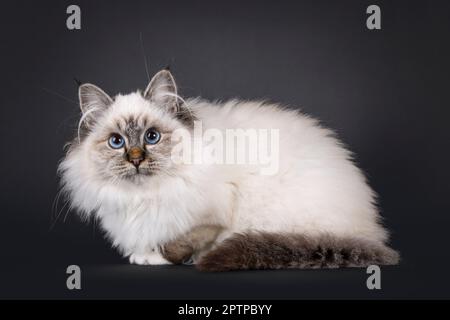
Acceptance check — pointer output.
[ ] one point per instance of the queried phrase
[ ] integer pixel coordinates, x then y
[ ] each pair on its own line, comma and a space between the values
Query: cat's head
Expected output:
128, 137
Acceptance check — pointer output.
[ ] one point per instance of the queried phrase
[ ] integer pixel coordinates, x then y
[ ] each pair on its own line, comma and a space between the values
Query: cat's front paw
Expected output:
152, 258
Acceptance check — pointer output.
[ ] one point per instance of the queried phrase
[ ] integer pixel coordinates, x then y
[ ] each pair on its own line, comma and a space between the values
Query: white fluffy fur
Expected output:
317, 190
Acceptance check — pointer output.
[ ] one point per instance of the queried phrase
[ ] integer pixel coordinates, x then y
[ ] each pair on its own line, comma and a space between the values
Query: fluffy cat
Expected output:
315, 211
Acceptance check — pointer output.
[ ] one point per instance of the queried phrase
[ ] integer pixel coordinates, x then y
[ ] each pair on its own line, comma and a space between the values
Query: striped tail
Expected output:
263, 250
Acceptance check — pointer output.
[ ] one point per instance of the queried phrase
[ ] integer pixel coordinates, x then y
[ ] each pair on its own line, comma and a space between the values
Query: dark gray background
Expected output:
384, 92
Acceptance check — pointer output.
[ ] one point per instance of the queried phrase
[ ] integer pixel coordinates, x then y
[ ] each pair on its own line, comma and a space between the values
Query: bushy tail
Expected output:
263, 250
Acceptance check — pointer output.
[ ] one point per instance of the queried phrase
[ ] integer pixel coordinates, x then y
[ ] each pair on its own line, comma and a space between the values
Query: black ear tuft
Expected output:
78, 82
168, 68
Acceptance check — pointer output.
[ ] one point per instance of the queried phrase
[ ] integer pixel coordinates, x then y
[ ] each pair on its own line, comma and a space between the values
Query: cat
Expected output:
315, 211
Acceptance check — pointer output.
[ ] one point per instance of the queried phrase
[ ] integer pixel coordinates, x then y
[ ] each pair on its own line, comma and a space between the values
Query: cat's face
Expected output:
129, 138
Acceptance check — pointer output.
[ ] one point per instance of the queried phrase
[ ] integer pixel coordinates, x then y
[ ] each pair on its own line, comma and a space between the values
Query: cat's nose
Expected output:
135, 155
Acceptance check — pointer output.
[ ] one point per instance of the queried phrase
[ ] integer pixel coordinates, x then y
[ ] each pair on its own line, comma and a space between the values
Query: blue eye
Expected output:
152, 136
116, 141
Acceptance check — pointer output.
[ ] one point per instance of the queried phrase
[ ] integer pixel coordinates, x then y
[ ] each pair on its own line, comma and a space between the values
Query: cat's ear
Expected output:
162, 90
92, 100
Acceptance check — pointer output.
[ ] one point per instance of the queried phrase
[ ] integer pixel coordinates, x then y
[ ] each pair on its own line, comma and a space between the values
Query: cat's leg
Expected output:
152, 257
190, 247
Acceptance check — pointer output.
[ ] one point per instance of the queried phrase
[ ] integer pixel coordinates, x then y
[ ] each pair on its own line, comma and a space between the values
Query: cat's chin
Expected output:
138, 176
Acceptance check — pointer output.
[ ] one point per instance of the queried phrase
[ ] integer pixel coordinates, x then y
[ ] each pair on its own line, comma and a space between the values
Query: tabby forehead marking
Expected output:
133, 131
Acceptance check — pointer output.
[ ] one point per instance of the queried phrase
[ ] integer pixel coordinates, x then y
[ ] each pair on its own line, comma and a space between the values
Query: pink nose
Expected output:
136, 162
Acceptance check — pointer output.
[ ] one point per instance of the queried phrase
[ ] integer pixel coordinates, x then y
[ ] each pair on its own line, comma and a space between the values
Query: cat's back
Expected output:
249, 114
299, 135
